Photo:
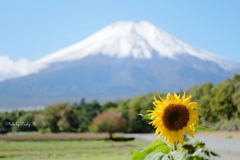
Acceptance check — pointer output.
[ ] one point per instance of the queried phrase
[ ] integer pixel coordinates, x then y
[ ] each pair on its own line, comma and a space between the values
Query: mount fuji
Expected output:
123, 60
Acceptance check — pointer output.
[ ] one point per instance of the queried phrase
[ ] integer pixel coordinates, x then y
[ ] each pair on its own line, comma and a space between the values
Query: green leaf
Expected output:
179, 146
207, 153
177, 155
156, 146
197, 152
185, 154
138, 155
163, 149
166, 157
140, 150
185, 139
155, 156
145, 116
214, 154
140, 114
203, 128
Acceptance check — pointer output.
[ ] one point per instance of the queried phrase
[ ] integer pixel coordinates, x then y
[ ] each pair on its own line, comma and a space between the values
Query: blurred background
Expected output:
75, 75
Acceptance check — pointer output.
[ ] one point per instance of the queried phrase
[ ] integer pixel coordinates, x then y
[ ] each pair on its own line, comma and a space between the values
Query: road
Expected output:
228, 149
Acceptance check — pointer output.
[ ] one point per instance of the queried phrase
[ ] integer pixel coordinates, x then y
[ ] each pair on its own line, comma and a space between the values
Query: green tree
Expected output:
222, 99
9, 118
130, 110
236, 94
26, 122
107, 105
202, 94
87, 112
57, 118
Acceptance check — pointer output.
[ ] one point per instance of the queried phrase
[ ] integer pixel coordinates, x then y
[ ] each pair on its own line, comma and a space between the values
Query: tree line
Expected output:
220, 106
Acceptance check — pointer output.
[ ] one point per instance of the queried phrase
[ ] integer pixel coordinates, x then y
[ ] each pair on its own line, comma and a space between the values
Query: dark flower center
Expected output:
175, 117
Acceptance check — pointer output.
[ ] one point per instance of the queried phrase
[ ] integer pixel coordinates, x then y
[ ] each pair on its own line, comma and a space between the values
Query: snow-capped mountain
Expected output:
133, 39
123, 60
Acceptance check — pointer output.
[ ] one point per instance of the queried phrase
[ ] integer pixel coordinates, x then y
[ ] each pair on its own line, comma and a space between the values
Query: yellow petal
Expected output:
172, 99
194, 112
155, 99
180, 136
159, 104
161, 134
188, 131
193, 116
167, 132
185, 102
171, 137
176, 98
163, 100
183, 96
168, 97
193, 105
182, 100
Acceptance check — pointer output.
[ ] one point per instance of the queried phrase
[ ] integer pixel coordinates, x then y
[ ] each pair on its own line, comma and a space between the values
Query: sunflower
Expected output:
173, 117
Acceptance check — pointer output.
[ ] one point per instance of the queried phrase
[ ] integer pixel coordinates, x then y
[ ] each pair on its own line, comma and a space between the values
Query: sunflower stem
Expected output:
175, 146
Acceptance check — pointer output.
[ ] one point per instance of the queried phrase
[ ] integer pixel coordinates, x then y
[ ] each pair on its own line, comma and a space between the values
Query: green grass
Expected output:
77, 158
51, 150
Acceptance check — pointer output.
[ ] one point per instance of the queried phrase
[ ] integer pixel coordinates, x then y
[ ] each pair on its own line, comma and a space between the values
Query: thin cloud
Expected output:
10, 69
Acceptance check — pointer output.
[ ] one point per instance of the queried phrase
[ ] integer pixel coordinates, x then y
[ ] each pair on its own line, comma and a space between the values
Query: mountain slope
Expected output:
102, 78
123, 60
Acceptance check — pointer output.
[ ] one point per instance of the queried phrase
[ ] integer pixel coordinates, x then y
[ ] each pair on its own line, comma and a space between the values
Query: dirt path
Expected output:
75, 149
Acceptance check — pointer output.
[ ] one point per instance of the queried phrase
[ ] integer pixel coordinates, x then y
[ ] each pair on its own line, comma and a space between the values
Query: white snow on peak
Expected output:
136, 39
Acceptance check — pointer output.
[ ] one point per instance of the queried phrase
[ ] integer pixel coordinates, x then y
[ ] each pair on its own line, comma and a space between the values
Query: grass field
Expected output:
67, 149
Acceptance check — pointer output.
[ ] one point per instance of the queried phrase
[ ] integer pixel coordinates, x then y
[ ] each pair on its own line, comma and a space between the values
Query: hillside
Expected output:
123, 60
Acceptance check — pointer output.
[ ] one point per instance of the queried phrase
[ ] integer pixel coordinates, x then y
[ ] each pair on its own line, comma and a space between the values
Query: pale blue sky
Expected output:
32, 29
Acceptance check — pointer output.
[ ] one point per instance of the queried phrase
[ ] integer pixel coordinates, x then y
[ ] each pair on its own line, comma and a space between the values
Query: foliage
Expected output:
220, 104
156, 146
158, 150
108, 105
56, 118
108, 121
196, 151
26, 122
85, 114
203, 128
9, 117
129, 109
